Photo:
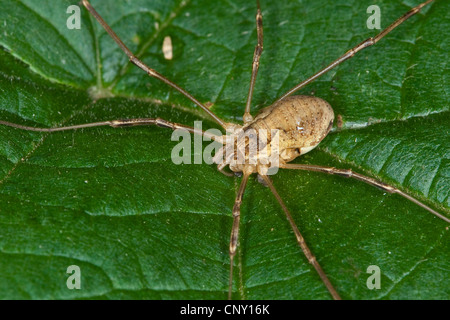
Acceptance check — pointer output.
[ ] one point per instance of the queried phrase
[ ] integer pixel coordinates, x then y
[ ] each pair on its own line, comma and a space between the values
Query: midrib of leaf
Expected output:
99, 77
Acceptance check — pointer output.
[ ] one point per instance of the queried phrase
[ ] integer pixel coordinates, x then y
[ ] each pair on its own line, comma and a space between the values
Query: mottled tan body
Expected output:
302, 122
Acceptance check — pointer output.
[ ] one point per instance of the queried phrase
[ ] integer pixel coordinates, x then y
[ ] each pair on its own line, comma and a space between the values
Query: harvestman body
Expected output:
302, 122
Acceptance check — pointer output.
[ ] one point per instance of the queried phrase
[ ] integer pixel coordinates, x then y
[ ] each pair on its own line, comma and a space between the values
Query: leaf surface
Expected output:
112, 202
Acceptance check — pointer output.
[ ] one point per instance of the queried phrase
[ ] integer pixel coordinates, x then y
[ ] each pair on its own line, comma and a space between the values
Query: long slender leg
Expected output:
151, 72
256, 55
301, 241
235, 228
366, 43
350, 174
121, 123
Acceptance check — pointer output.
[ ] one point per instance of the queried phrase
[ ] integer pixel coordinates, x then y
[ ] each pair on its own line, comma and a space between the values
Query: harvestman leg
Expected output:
301, 241
235, 228
255, 66
151, 72
121, 123
350, 53
134, 122
350, 174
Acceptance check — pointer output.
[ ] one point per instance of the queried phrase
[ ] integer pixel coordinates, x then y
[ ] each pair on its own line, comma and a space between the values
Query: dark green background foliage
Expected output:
112, 202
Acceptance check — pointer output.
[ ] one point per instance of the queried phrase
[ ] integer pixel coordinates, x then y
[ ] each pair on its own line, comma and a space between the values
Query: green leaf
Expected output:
112, 202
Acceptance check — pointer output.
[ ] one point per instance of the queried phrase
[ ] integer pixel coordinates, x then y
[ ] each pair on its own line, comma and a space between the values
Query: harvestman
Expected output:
302, 120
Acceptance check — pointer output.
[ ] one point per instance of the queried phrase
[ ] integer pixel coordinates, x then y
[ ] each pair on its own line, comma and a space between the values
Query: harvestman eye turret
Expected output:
302, 122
